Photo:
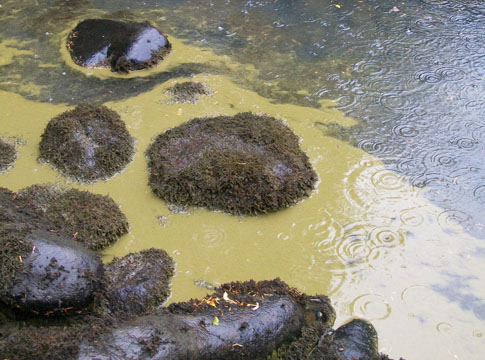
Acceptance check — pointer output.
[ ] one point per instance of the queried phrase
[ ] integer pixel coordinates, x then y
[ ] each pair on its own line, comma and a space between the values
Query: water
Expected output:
389, 101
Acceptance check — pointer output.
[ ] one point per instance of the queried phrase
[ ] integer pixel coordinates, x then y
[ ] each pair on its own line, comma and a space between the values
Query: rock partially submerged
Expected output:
121, 46
138, 282
188, 92
88, 143
239, 321
92, 219
242, 164
42, 269
7, 155
233, 323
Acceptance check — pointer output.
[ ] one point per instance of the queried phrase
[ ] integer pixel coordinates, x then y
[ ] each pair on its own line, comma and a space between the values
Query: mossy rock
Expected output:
138, 282
187, 92
121, 46
92, 219
242, 164
87, 144
42, 269
7, 155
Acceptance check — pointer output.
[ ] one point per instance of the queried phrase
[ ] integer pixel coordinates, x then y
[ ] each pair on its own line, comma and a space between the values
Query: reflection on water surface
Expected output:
395, 230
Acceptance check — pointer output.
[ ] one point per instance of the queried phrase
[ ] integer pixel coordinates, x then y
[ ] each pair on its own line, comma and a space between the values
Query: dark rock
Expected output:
122, 46
233, 323
42, 269
138, 282
244, 164
58, 276
356, 340
7, 155
88, 143
92, 219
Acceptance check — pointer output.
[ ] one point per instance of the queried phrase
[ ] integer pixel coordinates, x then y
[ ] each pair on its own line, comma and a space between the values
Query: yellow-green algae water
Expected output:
364, 237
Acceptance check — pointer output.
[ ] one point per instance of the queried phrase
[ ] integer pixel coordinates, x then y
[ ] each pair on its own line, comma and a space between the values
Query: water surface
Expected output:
389, 102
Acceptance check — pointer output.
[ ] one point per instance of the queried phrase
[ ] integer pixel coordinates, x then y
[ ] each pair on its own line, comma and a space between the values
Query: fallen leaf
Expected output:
215, 321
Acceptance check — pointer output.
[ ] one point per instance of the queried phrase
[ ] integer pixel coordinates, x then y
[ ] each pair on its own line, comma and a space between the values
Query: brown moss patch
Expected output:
88, 143
138, 282
92, 219
188, 92
242, 164
7, 155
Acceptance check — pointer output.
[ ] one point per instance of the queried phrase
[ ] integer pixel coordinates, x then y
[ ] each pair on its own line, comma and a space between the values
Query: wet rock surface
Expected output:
356, 339
244, 164
7, 155
43, 270
57, 277
121, 46
92, 219
240, 320
88, 143
138, 282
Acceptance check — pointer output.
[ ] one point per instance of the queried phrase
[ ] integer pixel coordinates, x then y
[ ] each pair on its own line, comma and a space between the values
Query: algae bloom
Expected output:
242, 164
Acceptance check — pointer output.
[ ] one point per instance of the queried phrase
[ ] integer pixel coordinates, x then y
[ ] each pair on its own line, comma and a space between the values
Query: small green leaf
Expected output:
215, 321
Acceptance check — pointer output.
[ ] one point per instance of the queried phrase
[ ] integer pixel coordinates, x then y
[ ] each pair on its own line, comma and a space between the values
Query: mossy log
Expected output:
239, 321
121, 46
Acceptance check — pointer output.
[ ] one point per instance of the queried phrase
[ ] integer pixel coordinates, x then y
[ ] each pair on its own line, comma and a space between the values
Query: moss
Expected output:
188, 92
7, 155
88, 143
17, 219
245, 164
92, 219
138, 282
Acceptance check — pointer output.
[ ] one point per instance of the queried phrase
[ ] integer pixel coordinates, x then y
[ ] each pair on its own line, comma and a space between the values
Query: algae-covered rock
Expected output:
238, 321
88, 143
242, 164
188, 92
92, 219
121, 46
42, 269
355, 340
138, 282
7, 155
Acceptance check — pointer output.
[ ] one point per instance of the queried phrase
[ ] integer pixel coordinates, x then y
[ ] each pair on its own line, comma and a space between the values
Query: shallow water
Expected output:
388, 100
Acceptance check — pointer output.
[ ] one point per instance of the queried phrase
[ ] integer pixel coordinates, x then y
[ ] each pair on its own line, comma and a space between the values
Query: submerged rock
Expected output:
42, 269
92, 219
88, 143
240, 320
7, 155
242, 164
121, 46
138, 282
355, 340
188, 92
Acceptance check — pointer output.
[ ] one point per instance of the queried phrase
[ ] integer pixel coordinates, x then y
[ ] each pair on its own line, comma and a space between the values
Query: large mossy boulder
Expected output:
121, 46
138, 282
7, 155
242, 164
42, 269
88, 143
92, 219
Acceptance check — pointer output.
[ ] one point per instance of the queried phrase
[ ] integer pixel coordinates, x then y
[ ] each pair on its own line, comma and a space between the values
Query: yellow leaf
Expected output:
337, 6
215, 321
